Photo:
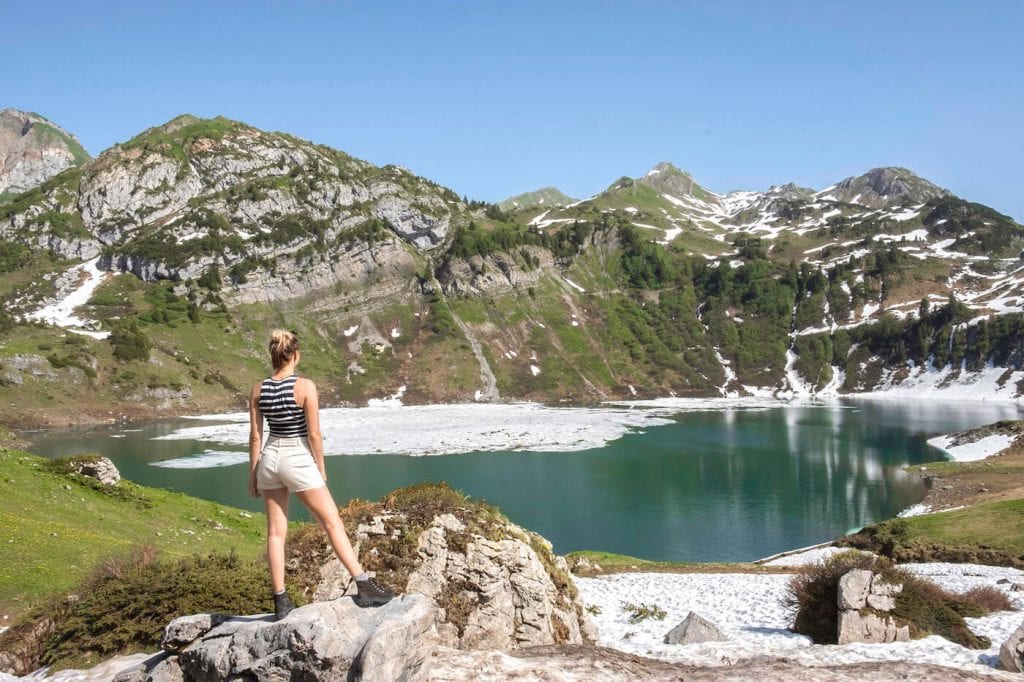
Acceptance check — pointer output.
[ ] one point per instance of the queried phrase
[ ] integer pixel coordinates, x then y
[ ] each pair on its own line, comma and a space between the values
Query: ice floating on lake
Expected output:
436, 430
387, 427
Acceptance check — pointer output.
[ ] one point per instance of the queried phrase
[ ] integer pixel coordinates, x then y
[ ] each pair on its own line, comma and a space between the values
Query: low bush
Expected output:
923, 606
124, 607
814, 592
637, 613
992, 599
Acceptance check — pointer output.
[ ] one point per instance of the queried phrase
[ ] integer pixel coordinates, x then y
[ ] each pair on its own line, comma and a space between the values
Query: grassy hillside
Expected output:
56, 528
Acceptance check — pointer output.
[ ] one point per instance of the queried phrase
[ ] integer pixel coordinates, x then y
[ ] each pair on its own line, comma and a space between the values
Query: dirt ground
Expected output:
959, 484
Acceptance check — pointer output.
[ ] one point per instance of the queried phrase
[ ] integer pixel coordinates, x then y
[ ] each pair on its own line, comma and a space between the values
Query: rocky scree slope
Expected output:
32, 150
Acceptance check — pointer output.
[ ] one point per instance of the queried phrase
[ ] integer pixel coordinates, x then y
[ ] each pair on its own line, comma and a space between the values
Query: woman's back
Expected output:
277, 403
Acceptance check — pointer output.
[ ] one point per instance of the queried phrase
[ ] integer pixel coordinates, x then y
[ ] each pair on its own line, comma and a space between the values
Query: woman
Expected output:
292, 460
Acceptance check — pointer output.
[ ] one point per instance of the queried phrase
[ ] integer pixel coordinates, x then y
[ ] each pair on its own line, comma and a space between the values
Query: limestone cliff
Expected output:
32, 150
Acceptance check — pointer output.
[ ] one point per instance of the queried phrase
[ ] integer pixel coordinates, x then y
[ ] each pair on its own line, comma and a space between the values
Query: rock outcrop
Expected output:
100, 468
864, 599
32, 150
886, 187
495, 273
498, 585
16, 369
196, 194
332, 640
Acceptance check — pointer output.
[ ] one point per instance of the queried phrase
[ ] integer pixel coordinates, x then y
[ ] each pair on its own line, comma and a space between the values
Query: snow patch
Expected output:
575, 286
62, 312
752, 610
972, 452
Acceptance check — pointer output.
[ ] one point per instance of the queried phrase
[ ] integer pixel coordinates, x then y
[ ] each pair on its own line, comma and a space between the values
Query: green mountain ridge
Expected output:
545, 197
656, 286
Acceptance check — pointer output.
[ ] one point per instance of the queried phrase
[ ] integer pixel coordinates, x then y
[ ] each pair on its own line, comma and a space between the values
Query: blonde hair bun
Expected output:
282, 347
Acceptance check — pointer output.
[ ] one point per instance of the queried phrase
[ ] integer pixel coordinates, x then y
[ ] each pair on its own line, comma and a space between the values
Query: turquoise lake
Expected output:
717, 485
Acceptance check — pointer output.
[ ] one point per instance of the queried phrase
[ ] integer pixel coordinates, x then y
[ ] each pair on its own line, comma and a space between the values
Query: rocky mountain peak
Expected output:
888, 186
668, 179
790, 192
545, 197
32, 150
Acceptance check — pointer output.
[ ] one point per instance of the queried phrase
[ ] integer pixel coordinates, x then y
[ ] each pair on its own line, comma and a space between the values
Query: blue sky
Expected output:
496, 98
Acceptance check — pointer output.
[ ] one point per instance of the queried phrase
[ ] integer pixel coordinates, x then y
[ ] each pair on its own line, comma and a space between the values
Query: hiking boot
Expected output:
283, 605
372, 593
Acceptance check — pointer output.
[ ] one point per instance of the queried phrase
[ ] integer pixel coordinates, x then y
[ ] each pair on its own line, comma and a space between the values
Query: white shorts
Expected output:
287, 463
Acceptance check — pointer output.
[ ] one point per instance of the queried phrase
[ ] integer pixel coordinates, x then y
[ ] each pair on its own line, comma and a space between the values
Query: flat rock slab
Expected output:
323, 640
571, 663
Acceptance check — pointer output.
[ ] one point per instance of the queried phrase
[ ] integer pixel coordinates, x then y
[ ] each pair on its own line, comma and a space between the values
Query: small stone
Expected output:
1017, 587
245, 514
694, 629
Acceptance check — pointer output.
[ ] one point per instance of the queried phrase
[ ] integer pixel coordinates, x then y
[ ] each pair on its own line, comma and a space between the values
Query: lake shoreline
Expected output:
139, 414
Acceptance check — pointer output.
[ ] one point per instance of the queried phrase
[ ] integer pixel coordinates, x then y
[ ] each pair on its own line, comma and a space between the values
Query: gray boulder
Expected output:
321, 641
858, 591
693, 630
100, 468
1011, 653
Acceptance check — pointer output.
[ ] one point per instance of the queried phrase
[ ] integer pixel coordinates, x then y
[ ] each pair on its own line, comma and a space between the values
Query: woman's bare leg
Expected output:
320, 502
276, 502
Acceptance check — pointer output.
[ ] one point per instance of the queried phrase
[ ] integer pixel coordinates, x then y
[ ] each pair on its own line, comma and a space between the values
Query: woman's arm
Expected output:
311, 407
255, 438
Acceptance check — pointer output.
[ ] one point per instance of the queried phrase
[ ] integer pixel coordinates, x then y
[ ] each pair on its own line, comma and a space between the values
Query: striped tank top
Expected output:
277, 404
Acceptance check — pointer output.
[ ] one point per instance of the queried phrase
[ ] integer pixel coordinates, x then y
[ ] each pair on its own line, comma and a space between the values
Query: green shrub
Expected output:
129, 342
124, 607
641, 612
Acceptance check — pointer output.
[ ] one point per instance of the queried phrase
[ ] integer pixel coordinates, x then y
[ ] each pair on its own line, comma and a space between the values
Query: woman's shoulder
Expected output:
304, 383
